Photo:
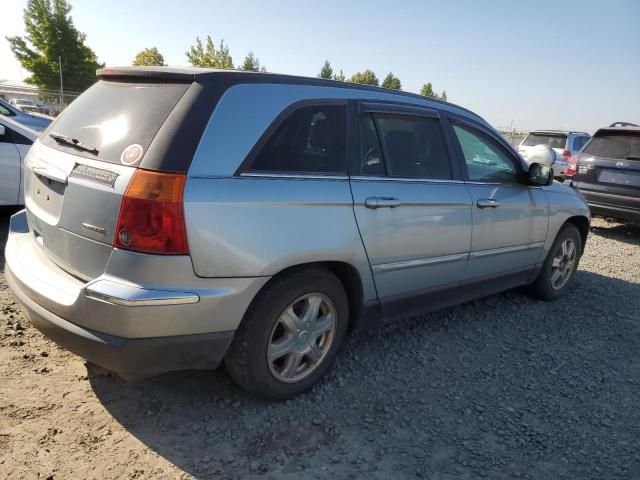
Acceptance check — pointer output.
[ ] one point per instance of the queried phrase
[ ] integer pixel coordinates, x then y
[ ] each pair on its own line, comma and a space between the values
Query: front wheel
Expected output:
560, 265
290, 335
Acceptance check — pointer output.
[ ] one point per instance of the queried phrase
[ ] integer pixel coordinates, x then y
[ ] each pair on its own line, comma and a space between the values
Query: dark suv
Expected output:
608, 172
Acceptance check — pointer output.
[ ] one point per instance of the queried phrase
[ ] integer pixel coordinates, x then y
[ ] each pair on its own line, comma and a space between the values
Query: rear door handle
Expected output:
381, 202
487, 203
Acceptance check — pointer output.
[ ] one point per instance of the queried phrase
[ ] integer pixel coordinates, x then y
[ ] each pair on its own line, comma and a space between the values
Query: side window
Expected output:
578, 143
312, 139
414, 146
485, 162
6, 112
371, 159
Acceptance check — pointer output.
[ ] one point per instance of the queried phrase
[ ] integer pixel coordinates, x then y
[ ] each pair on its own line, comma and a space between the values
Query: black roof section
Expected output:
197, 74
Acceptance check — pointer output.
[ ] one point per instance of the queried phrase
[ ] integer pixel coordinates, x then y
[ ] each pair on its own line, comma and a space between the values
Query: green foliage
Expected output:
340, 77
208, 56
251, 63
148, 57
51, 34
391, 81
443, 95
365, 78
427, 90
326, 71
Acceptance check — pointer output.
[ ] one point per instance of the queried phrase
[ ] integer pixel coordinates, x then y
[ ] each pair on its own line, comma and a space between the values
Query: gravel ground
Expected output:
505, 387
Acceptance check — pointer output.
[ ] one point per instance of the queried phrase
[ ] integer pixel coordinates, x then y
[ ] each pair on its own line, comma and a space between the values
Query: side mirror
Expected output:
540, 174
2, 131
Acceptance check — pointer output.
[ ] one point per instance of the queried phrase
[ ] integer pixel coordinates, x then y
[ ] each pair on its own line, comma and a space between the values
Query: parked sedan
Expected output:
15, 141
36, 122
180, 218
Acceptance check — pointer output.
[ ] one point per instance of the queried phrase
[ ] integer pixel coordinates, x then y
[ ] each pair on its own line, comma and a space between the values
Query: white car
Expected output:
552, 147
15, 141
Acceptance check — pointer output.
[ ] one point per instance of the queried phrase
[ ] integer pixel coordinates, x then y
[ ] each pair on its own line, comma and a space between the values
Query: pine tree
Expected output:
251, 63
326, 71
391, 81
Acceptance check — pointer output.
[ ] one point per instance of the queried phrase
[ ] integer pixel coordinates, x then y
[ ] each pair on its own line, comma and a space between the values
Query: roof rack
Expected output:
623, 124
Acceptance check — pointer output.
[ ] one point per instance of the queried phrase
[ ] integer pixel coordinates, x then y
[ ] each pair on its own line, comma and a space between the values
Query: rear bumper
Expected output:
611, 205
131, 358
145, 315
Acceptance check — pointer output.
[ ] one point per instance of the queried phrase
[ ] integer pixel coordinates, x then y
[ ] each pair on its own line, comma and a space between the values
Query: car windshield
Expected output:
551, 140
619, 145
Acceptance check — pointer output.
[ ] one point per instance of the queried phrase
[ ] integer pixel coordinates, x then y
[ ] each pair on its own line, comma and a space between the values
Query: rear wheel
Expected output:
560, 265
290, 335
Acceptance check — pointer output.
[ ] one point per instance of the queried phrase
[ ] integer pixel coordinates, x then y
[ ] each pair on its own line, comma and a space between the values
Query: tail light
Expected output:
151, 218
572, 165
566, 155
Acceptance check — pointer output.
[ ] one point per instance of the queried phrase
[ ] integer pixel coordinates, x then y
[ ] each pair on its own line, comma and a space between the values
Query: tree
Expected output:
251, 63
443, 96
52, 38
391, 81
427, 90
326, 71
365, 78
340, 77
148, 57
208, 56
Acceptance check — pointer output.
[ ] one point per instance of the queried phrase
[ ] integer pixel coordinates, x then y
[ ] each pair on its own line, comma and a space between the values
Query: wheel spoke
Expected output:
556, 262
570, 250
323, 325
281, 347
314, 354
564, 249
290, 320
313, 306
292, 364
556, 277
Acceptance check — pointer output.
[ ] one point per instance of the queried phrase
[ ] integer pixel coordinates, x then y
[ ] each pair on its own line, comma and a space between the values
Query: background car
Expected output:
35, 122
564, 145
607, 172
15, 141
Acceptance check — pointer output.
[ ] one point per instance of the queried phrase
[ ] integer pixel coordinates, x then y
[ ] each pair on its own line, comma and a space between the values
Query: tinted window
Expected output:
485, 161
310, 140
415, 147
11, 136
578, 142
111, 116
553, 141
615, 145
5, 111
371, 159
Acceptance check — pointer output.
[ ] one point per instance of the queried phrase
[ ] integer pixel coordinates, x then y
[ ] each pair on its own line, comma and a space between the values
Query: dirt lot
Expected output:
506, 387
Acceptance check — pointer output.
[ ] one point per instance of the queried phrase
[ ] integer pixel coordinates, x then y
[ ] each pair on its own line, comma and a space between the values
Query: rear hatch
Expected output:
79, 169
556, 141
610, 164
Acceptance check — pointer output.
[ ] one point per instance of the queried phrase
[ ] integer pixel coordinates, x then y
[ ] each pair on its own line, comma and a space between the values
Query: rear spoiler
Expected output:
147, 73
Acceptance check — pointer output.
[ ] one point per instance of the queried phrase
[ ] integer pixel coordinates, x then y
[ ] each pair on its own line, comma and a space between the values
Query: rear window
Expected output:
622, 145
112, 116
553, 141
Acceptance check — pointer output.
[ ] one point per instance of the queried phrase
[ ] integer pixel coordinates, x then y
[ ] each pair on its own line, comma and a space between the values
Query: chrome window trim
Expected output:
360, 178
302, 176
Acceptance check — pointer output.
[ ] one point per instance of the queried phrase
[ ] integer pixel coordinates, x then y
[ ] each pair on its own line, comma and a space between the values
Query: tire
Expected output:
280, 320
548, 286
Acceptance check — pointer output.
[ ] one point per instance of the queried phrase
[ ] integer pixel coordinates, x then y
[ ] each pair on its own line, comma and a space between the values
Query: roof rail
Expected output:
623, 124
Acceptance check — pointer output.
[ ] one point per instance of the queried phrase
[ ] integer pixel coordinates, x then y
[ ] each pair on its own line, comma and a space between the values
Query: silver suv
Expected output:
176, 218
562, 144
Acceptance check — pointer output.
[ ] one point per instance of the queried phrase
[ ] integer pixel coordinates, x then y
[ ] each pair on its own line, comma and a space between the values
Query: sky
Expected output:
527, 64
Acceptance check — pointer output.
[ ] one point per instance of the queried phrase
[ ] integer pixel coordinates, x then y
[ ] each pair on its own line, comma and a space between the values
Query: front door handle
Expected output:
381, 202
487, 203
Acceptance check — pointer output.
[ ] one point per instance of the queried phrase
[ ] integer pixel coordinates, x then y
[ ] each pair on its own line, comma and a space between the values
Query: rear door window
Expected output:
112, 116
617, 145
312, 139
553, 141
414, 147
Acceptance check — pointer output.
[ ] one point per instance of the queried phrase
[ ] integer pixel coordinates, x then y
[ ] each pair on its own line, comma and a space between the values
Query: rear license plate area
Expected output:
628, 177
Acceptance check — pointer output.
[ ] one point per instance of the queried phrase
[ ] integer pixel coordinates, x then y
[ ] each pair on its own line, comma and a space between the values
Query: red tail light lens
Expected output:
572, 166
151, 216
566, 155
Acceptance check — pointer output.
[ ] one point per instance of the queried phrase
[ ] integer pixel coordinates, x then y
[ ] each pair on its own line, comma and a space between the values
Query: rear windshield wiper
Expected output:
73, 142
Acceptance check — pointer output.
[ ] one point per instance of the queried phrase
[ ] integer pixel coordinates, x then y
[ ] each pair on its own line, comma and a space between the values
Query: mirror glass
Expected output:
540, 174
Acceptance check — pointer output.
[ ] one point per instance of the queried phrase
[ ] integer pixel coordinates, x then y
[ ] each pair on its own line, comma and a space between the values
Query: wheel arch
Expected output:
582, 224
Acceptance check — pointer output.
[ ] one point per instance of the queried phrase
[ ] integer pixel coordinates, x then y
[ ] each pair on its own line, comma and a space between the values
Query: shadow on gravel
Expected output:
622, 232
507, 384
